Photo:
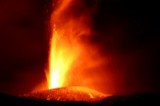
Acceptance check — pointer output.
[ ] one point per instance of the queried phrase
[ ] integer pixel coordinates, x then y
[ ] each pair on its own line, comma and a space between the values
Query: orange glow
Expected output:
62, 56
74, 93
70, 50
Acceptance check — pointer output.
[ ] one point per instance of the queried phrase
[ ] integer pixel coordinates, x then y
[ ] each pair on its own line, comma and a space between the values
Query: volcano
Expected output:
74, 93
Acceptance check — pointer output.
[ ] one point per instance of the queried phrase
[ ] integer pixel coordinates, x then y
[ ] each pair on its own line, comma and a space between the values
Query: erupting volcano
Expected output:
70, 50
71, 54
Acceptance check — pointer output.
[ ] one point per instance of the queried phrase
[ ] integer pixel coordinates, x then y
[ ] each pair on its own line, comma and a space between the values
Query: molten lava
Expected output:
60, 60
64, 49
75, 93
70, 50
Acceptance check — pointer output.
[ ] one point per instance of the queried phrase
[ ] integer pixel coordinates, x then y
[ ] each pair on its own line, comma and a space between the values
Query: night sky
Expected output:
127, 32
23, 44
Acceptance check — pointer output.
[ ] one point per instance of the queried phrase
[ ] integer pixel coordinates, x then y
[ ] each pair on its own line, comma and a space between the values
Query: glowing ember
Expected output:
69, 48
68, 94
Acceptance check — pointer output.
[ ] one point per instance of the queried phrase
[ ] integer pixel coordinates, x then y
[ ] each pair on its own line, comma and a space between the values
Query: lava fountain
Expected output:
66, 46
70, 49
71, 53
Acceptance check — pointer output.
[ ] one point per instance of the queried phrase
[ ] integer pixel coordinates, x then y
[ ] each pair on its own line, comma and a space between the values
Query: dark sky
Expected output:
23, 44
129, 31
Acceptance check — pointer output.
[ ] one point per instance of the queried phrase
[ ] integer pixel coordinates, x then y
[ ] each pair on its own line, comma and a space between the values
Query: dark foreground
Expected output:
119, 100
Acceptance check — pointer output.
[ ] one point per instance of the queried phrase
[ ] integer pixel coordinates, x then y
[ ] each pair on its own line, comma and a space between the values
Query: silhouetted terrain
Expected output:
119, 100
